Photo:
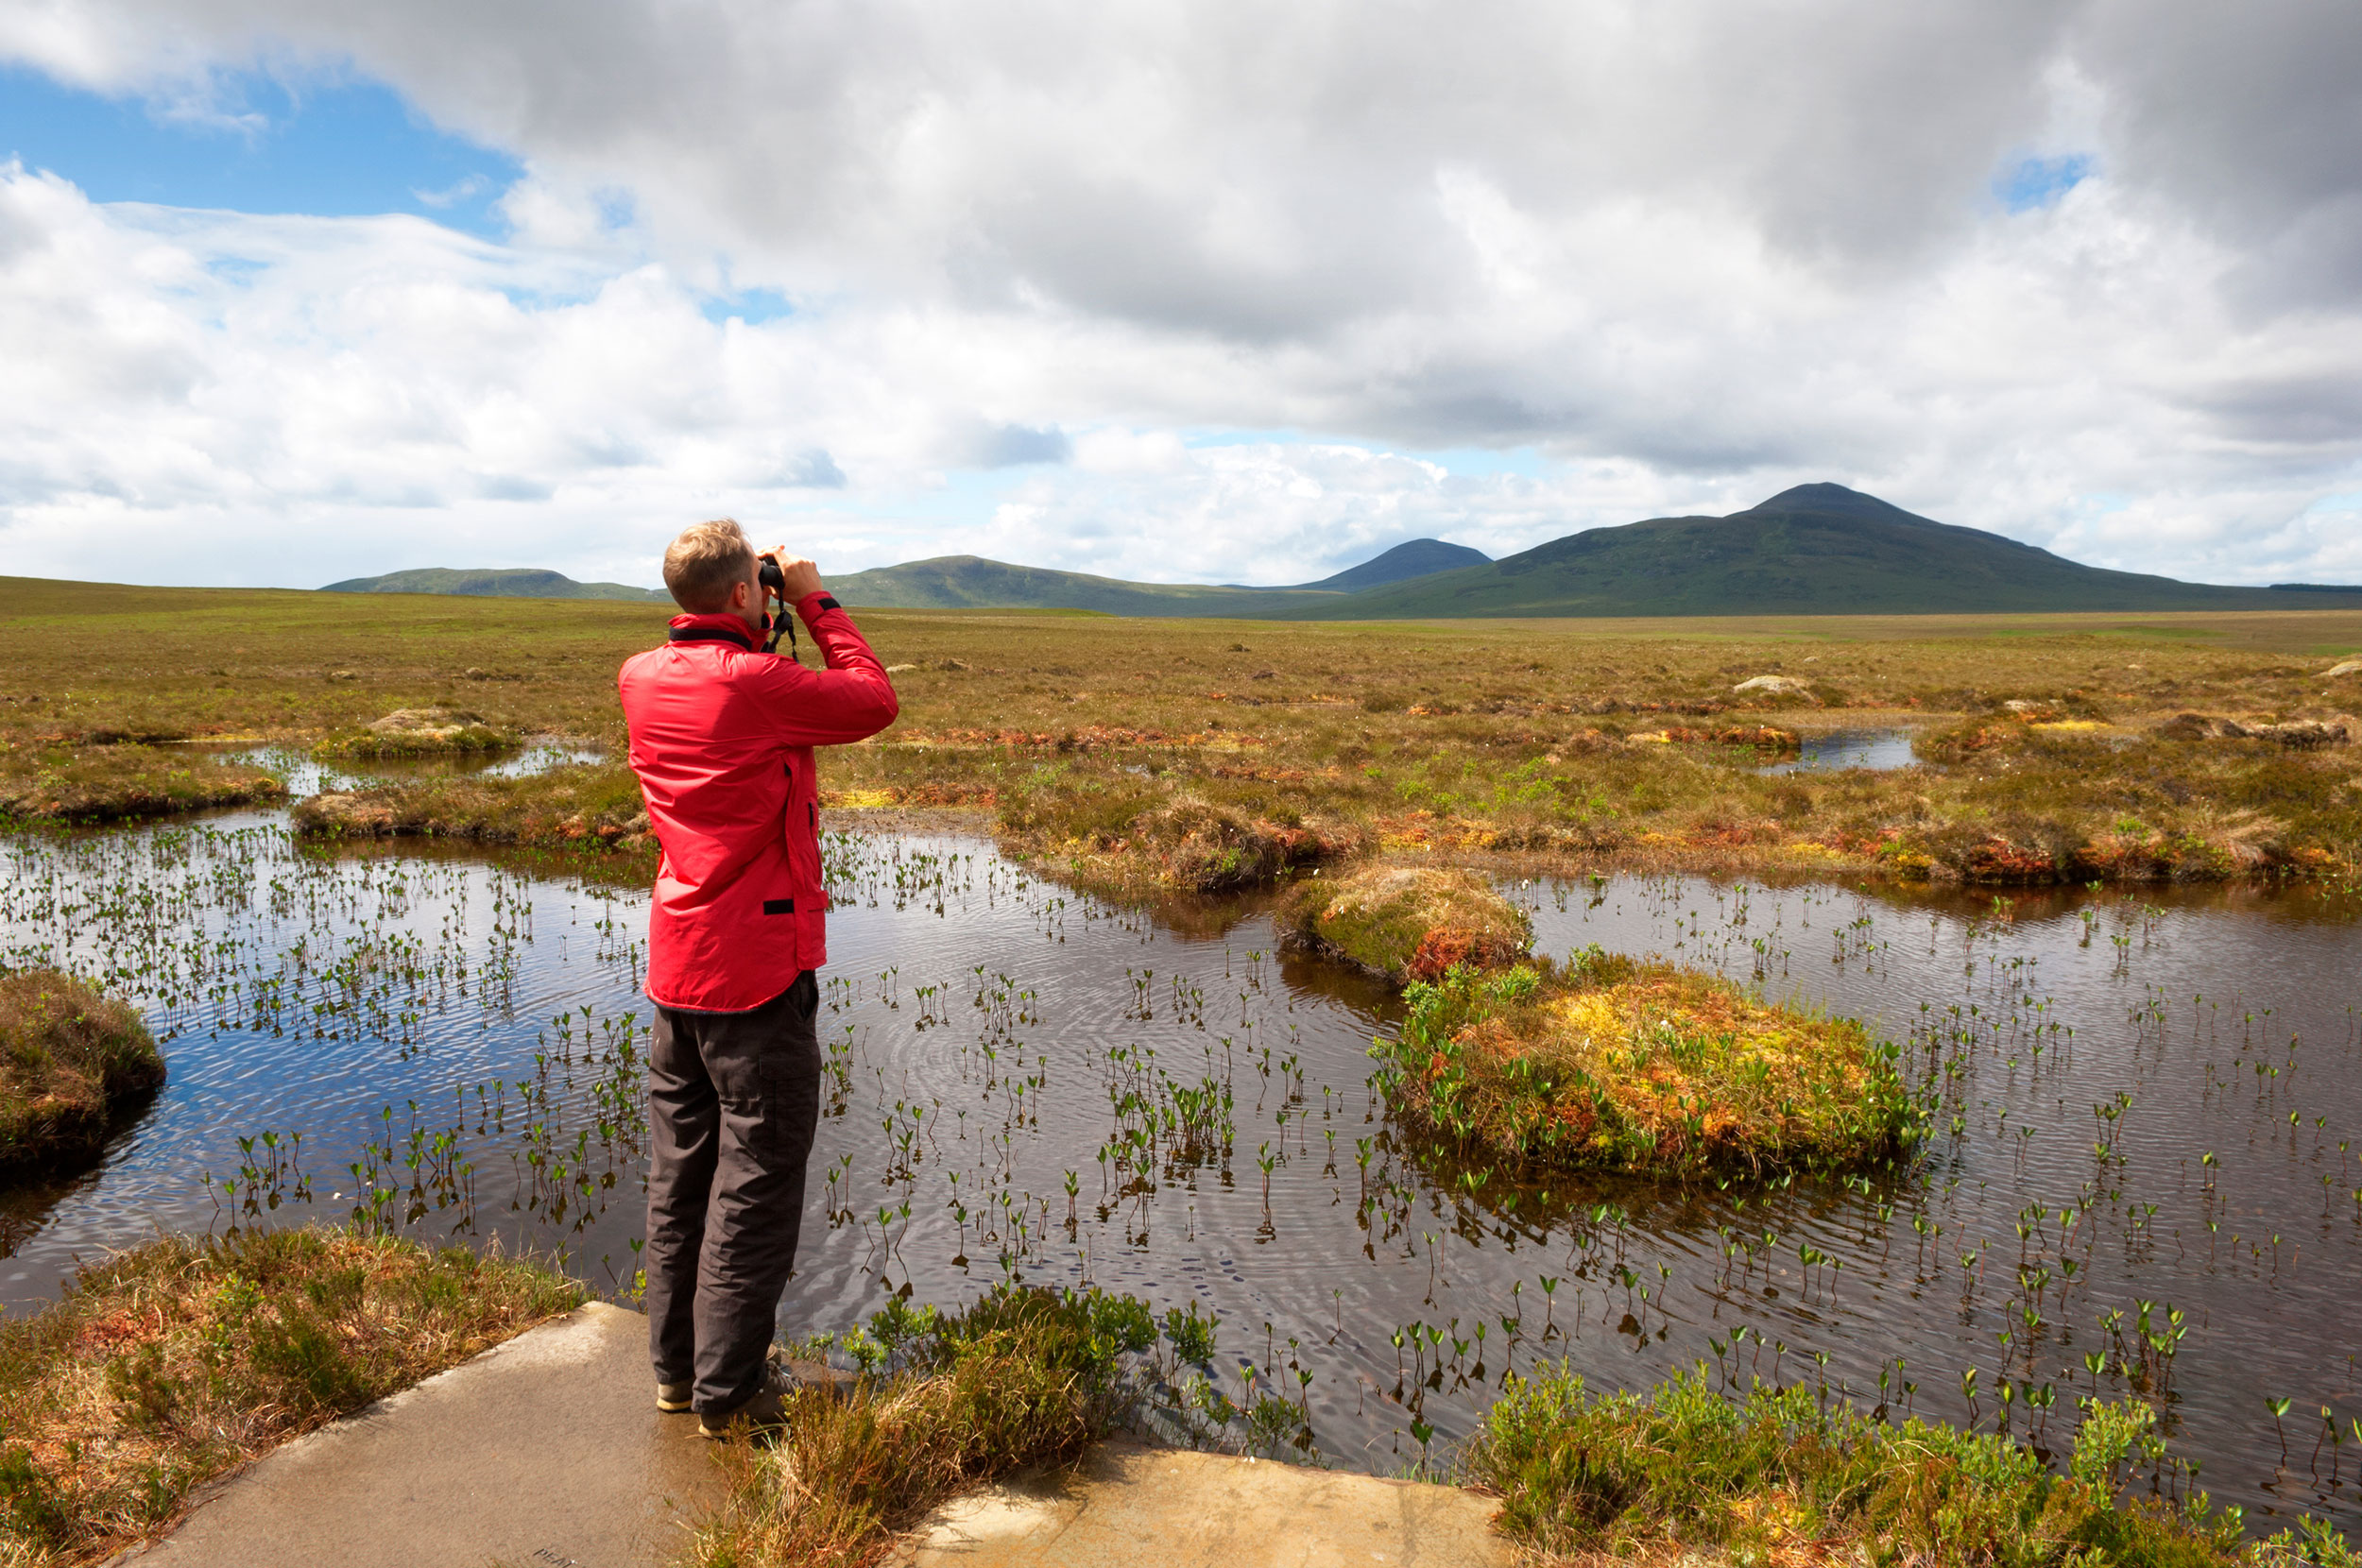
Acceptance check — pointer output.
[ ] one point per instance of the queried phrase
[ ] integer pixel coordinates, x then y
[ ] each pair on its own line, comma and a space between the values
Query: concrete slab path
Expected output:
546, 1451
1128, 1504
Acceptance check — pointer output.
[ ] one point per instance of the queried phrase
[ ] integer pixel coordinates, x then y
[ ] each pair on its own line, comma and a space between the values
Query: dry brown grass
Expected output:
1023, 1377
584, 808
69, 1056
181, 1360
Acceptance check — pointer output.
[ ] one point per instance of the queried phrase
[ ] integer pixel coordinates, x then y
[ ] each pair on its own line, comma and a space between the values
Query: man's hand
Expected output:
798, 577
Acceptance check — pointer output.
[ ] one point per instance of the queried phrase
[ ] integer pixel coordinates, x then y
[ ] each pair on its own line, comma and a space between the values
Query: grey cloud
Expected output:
1012, 446
507, 486
812, 470
2248, 116
2310, 409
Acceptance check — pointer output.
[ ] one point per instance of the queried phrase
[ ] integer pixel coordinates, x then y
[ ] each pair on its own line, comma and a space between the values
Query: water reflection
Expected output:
305, 775
1025, 1081
1874, 749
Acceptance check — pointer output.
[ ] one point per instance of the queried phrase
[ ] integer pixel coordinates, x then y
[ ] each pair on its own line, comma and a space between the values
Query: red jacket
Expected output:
722, 738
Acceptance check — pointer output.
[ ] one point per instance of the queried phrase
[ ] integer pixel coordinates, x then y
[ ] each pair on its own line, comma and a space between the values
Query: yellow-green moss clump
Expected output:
1785, 1476
1404, 923
1645, 1068
172, 1364
68, 1055
417, 732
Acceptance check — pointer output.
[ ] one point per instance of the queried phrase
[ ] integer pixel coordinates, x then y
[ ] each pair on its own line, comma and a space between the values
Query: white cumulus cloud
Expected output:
1213, 290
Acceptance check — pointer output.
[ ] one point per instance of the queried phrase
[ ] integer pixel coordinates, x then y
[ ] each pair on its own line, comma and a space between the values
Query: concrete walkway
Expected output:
547, 1452
1130, 1505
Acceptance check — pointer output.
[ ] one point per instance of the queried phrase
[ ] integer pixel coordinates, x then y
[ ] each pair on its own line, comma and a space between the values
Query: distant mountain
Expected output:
517, 583
971, 582
1814, 549
1411, 558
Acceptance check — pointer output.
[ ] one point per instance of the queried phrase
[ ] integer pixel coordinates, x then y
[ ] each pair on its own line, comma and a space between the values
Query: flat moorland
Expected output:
1200, 754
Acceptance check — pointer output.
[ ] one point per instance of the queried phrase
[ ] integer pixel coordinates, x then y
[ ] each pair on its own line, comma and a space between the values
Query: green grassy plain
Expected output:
1170, 753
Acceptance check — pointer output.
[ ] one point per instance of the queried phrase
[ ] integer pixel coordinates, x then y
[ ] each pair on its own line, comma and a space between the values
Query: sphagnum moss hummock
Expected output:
1406, 923
1619, 1065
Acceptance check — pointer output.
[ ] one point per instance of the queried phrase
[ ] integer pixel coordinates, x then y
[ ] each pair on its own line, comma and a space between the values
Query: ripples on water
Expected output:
1025, 1081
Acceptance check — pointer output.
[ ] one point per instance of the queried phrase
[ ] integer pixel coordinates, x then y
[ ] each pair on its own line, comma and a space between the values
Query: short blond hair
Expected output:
702, 564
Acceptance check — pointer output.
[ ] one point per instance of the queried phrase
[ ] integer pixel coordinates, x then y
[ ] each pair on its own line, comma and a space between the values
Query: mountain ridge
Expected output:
1817, 549
1812, 549
493, 582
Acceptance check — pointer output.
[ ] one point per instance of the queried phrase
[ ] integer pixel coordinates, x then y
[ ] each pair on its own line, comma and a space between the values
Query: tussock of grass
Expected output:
593, 806
416, 732
107, 783
68, 1055
1023, 1377
1645, 1068
1777, 1477
1404, 923
1135, 835
172, 1364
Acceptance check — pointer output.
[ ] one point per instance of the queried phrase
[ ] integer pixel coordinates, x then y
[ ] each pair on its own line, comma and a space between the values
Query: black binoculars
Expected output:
771, 578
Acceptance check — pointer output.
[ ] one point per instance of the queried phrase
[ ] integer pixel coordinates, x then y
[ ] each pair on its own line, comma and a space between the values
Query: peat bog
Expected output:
2138, 1178
2139, 1069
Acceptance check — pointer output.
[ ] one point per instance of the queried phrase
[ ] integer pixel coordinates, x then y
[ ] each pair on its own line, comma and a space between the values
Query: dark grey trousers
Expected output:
733, 1099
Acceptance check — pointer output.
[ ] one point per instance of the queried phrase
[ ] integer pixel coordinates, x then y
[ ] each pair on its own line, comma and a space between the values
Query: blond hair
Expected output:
700, 566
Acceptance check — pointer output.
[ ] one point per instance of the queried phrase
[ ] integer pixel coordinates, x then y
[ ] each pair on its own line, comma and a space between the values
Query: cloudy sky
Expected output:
292, 291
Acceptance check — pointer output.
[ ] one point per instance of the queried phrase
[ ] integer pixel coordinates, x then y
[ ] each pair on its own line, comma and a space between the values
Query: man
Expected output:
721, 734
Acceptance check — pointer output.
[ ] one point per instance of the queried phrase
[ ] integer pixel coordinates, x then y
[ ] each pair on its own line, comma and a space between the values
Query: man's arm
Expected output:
851, 700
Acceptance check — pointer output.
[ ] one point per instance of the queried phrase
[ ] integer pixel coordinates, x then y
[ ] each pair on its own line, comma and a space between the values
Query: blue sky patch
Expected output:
2032, 182
330, 148
754, 306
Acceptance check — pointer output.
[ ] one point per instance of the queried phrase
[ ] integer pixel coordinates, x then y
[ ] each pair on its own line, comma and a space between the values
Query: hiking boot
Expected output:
672, 1398
762, 1416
